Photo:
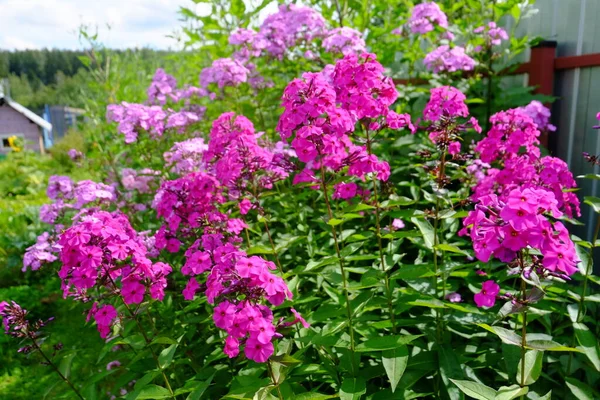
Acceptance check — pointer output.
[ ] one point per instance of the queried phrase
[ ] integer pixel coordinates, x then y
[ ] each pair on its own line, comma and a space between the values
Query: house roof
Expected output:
30, 115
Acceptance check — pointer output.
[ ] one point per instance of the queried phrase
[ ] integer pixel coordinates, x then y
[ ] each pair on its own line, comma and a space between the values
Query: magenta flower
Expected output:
344, 190
224, 314
132, 291
300, 319
245, 206
232, 347
190, 289
487, 296
257, 351
105, 315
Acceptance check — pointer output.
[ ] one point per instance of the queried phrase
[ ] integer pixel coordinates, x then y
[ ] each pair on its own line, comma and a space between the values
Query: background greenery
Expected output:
317, 361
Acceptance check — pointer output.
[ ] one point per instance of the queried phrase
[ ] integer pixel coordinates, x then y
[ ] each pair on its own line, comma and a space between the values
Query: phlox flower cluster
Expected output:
185, 204
511, 130
164, 87
424, 16
75, 154
321, 110
289, 26
16, 324
224, 72
528, 171
140, 181
186, 156
540, 115
524, 220
236, 158
133, 119
238, 285
102, 250
69, 195
43, 251
493, 34
449, 59
443, 110
345, 41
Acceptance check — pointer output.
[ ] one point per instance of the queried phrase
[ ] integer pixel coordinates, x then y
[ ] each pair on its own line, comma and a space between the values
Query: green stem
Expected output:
436, 224
64, 378
386, 278
146, 339
273, 247
342, 270
275, 383
588, 271
524, 326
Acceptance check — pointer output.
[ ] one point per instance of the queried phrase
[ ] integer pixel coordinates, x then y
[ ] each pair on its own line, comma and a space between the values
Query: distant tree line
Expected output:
52, 76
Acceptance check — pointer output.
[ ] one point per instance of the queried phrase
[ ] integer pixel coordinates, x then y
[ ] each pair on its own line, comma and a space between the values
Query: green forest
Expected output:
56, 76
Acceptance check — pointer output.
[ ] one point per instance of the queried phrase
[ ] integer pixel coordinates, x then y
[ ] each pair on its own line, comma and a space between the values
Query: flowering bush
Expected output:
292, 223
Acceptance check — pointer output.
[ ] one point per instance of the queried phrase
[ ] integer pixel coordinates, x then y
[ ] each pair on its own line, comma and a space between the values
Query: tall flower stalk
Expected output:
386, 278
341, 263
17, 325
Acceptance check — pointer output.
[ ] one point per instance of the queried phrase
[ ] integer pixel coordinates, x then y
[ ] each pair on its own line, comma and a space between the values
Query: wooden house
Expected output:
16, 120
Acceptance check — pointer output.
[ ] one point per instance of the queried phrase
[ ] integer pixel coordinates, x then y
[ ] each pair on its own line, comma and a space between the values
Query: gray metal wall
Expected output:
575, 26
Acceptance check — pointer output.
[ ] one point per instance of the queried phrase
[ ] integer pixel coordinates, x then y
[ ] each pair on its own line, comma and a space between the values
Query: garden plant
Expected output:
335, 199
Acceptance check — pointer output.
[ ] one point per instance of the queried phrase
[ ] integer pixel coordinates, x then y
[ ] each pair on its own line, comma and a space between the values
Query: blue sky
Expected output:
34, 24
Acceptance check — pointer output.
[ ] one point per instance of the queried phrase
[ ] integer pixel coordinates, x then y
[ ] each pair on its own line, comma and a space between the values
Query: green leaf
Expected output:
353, 388
589, 176
580, 389
385, 343
549, 345
450, 368
533, 367
334, 221
547, 396
259, 250
426, 231
593, 202
450, 248
589, 343
66, 363
507, 336
286, 360
511, 392
153, 392
166, 356
409, 272
475, 390
146, 379
199, 390
394, 362
314, 396
163, 340
350, 249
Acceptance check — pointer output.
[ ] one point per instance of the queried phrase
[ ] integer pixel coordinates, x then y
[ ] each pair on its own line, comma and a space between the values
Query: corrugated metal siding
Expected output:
574, 25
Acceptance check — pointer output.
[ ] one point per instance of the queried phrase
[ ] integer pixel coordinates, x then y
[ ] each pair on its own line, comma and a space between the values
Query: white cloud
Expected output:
54, 23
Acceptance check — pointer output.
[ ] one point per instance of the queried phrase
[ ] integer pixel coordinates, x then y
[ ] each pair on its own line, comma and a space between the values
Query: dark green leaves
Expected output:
353, 388
394, 362
475, 390
426, 231
385, 343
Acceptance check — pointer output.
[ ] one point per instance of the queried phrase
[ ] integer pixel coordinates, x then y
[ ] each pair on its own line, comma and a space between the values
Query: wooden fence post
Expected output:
541, 72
